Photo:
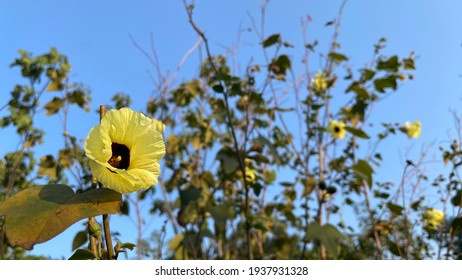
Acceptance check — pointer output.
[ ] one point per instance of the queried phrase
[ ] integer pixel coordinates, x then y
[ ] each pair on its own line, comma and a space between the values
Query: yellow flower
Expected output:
433, 218
337, 129
413, 131
319, 82
250, 174
125, 150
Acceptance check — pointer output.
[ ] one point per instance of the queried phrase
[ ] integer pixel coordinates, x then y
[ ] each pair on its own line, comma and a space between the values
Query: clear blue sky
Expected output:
95, 37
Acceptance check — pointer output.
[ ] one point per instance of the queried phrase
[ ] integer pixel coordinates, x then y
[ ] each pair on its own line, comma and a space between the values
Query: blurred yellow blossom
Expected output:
413, 130
319, 82
337, 129
433, 218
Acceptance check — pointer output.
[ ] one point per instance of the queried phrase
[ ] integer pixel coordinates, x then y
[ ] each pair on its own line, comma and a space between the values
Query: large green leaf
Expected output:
363, 171
327, 234
38, 214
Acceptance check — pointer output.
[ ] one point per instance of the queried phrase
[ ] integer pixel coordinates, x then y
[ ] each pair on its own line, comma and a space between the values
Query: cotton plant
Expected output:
231, 139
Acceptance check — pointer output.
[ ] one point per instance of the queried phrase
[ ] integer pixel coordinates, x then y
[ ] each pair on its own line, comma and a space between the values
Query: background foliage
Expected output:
252, 170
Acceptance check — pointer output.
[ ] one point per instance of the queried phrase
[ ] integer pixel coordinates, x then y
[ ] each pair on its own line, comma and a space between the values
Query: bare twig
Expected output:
189, 11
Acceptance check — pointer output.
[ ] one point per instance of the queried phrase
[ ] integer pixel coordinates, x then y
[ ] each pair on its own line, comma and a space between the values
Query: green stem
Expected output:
107, 236
93, 239
91, 220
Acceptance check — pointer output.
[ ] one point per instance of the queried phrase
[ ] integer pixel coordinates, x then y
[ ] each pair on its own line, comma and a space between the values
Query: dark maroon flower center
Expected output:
120, 156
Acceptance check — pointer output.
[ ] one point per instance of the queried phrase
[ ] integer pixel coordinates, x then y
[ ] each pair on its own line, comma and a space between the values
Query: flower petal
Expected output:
147, 178
114, 181
148, 148
98, 144
126, 126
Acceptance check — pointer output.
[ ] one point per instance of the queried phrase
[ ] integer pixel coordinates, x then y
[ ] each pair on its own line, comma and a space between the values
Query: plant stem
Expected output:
93, 247
240, 158
378, 242
107, 237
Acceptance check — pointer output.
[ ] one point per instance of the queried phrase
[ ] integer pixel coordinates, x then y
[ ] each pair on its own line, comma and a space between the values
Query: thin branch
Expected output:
189, 10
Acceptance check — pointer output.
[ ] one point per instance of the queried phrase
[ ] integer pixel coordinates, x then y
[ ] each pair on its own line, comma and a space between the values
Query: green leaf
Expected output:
363, 171
271, 40
124, 208
221, 215
228, 163
48, 166
327, 234
409, 63
65, 158
190, 194
82, 254
280, 66
185, 93
397, 210
367, 74
382, 84
361, 93
80, 238
263, 140
53, 106
392, 64
456, 199
54, 85
337, 56
127, 245
330, 22
37, 214
287, 184
259, 158
82, 99
270, 177
207, 179
357, 132
310, 185
120, 99
456, 225
394, 248
218, 88
415, 206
